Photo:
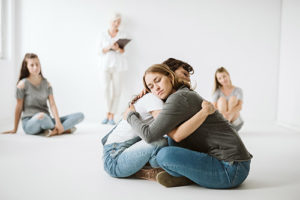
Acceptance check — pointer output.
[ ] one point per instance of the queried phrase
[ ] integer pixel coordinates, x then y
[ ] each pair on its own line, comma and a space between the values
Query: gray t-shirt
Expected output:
235, 92
215, 136
35, 97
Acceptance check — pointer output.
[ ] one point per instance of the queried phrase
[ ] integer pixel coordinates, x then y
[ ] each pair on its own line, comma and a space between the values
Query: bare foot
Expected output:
52, 132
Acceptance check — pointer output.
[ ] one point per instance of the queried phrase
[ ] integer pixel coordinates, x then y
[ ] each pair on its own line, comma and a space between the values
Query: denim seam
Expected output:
236, 173
227, 175
172, 167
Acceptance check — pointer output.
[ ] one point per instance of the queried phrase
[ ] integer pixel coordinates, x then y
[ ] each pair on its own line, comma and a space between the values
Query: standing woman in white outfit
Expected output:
112, 62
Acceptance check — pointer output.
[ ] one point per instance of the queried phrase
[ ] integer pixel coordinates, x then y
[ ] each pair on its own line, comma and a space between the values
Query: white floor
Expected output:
70, 167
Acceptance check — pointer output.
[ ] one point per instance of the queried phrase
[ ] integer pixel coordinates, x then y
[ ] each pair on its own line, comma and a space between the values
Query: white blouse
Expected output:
112, 59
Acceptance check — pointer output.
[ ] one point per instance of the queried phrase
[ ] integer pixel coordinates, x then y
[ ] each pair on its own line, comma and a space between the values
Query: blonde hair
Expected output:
165, 70
217, 84
115, 16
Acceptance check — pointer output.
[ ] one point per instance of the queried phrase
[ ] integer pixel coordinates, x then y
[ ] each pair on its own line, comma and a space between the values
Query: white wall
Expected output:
7, 65
242, 35
289, 87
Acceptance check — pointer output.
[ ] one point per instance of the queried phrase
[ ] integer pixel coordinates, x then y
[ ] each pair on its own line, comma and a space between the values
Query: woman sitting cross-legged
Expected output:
206, 149
33, 91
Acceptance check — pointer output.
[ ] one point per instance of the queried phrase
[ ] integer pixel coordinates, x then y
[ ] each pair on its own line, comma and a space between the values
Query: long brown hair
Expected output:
217, 84
165, 70
173, 65
24, 72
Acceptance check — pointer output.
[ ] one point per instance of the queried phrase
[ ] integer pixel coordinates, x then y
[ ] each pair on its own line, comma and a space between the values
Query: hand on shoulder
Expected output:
128, 110
208, 107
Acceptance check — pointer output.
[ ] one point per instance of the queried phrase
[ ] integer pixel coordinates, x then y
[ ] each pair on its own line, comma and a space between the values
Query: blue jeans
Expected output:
202, 168
37, 124
126, 158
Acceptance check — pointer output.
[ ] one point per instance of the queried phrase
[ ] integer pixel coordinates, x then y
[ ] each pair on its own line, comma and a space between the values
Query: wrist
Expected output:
205, 111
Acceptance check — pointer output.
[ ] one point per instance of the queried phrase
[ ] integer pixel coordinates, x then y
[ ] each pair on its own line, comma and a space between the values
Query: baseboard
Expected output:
289, 126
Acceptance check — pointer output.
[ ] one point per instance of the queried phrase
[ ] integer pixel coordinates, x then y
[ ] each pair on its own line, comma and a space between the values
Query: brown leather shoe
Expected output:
171, 181
147, 173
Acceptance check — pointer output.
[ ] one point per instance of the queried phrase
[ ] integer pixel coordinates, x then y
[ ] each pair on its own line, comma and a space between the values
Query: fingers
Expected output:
131, 108
60, 130
52, 132
209, 107
140, 95
126, 113
134, 100
9, 132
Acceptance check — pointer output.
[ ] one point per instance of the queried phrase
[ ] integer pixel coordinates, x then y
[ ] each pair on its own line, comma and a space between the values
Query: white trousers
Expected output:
112, 89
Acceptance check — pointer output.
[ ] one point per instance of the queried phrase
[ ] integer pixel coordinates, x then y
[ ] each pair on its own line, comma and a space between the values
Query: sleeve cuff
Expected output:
130, 114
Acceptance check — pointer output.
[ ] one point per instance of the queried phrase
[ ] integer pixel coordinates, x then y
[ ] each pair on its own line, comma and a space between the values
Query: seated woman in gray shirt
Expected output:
227, 98
210, 154
33, 91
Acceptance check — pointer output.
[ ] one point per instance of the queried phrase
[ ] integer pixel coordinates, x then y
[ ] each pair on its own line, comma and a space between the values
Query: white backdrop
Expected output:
7, 64
289, 81
242, 35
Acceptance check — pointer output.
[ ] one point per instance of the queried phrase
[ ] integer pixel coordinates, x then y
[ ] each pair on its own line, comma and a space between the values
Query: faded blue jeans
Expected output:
126, 158
202, 168
37, 124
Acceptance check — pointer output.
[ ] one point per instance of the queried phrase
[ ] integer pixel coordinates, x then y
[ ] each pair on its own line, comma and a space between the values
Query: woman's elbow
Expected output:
19, 109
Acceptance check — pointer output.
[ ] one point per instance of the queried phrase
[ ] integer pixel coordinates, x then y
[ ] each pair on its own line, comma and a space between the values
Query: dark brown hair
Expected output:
24, 72
174, 64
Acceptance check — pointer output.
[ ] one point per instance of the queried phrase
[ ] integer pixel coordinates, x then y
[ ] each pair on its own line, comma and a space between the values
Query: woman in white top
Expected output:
124, 153
112, 62
227, 98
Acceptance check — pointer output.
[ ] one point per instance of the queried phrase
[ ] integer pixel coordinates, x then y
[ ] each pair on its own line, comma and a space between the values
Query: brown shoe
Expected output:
147, 173
171, 181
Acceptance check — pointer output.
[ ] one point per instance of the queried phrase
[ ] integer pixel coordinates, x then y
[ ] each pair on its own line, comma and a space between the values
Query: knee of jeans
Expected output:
162, 155
79, 116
